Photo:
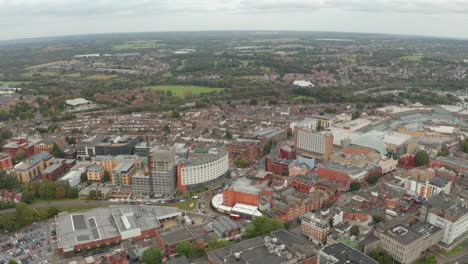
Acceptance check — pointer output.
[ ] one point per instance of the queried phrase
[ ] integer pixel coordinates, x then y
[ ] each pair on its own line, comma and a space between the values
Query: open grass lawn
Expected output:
349, 242
42, 73
186, 205
40, 201
45, 65
12, 83
139, 44
101, 77
412, 58
73, 75
179, 90
70, 208
352, 60
463, 246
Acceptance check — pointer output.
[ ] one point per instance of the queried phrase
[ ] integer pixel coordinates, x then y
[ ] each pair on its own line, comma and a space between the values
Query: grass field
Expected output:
349, 242
352, 60
71, 208
179, 90
184, 205
457, 249
73, 75
12, 83
139, 44
304, 99
45, 65
101, 77
412, 58
42, 73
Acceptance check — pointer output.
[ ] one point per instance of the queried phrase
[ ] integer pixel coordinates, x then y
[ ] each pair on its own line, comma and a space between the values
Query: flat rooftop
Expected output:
98, 224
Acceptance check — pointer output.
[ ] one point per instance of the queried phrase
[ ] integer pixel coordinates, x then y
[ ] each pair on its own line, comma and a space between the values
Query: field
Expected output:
70, 208
12, 83
412, 58
457, 249
101, 77
184, 205
42, 73
45, 65
139, 44
179, 90
349, 242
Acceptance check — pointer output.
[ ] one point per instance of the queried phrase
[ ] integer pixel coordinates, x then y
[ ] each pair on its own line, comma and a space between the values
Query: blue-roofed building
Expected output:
370, 140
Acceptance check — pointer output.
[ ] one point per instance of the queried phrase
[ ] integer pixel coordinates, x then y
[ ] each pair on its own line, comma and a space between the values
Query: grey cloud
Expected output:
11, 8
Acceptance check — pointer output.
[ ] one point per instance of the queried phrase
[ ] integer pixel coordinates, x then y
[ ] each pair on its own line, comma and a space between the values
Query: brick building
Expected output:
21, 144
245, 192
277, 166
5, 161
248, 150
91, 229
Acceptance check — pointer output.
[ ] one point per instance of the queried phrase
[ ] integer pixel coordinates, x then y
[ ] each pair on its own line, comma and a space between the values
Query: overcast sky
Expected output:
35, 18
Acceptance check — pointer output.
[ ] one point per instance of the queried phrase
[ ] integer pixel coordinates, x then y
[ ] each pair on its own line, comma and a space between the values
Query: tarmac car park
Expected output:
29, 245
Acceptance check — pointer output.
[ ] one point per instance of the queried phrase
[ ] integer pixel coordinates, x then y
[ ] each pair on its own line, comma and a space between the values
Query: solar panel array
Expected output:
79, 222
82, 238
92, 222
95, 233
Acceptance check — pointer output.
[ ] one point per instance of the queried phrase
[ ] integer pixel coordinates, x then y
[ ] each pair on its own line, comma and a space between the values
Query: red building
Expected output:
5, 161
53, 171
277, 166
249, 150
344, 175
245, 192
21, 144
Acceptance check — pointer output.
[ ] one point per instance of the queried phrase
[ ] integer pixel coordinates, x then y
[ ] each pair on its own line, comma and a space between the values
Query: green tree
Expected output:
27, 196
253, 102
329, 110
241, 163
52, 211
327, 204
52, 128
92, 195
422, 158
166, 130
377, 218
84, 177
354, 186
9, 181
360, 106
427, 260
47, 190
262, 225
465, 146
57, 151
186, 248
20, 155
382, 257
354, 230
228, 134
268, 146
73, 192
8, 222
152, 256
106, 176
443, 152
5, 133
373, 178
214, 243
355, 115
25, 215
71, 141
60, 192
12, 262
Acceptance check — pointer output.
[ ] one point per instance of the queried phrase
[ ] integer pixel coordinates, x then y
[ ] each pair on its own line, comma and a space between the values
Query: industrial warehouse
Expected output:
105, 226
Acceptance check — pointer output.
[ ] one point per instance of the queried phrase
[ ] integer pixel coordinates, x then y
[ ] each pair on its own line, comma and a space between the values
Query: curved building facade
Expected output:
203, 170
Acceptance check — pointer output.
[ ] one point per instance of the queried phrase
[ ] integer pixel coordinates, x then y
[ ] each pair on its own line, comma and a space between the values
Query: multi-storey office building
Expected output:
313, 144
